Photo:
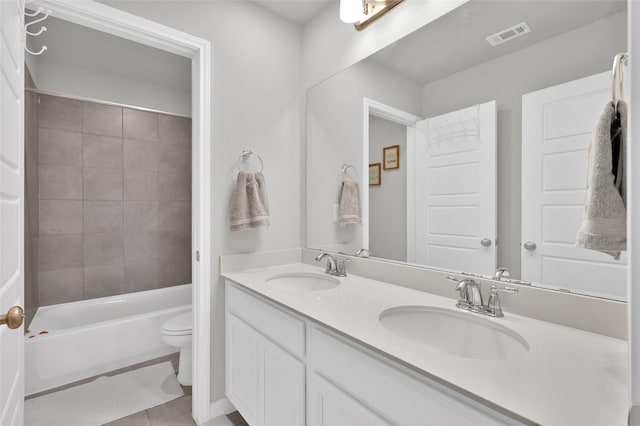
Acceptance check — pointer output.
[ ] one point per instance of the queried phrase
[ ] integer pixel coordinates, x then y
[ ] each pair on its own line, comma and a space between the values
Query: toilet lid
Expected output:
180, 323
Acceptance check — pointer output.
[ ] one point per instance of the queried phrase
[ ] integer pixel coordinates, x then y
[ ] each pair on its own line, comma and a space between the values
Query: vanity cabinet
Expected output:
284, 370
265, 378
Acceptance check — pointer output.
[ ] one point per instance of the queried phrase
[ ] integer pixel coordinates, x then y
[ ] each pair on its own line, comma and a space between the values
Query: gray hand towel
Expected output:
349, 209
604, 224
249, 206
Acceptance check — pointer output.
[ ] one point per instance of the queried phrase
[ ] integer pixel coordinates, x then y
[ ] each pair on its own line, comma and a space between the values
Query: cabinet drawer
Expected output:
391, 394
283, 329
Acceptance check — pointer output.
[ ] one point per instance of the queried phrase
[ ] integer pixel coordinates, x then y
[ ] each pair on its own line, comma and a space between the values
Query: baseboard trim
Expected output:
221, 407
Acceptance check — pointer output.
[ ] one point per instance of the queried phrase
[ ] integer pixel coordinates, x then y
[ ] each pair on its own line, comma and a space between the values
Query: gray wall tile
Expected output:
60, 216
103, 281
59, 147
141, 125
174, 157
60, 286
102, 249
140, 185
60, 251
174, 216
140, 247
174, 245
102, 216
98, 119
175, 272
174, 186
60, 182
140, 276
140, 216
59, 113
102, 151
174, 129
102, 184
140, 155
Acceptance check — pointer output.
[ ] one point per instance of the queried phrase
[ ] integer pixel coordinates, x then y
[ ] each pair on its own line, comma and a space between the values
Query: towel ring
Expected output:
617, 85
346, 167
248, 153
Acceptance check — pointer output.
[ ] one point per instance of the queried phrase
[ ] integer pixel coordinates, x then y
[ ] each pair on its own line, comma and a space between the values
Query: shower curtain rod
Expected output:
103, 102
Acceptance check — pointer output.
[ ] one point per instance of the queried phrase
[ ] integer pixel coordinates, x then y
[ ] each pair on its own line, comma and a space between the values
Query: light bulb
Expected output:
350, 11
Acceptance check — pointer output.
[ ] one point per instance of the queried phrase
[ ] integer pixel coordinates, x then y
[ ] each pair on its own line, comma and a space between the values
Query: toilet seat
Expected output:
179, 325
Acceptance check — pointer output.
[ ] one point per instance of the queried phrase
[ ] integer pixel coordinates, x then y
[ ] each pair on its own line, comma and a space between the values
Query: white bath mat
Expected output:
105, 399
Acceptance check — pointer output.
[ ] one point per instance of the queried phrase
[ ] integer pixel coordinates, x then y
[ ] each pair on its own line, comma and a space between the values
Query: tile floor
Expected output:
173, 413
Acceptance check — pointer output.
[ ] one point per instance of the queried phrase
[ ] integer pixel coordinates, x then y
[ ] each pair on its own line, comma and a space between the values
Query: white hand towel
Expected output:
349, 209
249, 206
604, 224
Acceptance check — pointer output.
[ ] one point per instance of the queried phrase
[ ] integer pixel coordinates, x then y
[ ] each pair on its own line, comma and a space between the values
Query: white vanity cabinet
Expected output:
284, 370
265, 376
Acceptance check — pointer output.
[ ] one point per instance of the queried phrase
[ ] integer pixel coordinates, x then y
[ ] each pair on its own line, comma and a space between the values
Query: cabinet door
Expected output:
283, 387
330, 406
242, 368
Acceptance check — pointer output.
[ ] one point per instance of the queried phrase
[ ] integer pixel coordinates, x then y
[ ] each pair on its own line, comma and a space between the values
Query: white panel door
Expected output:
283, 387
11, 209
242, 368
556, 129
454, 189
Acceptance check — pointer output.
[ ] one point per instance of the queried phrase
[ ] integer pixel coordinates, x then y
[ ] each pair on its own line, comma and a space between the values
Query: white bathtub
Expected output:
94, 336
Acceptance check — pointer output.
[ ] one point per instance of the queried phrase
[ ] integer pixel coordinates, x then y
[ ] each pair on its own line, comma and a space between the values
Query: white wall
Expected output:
84, 62
256, 98
330, 45
334, 136
388, 202
569, 56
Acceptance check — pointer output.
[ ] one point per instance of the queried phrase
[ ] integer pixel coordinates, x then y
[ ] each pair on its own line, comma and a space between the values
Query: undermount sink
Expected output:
303, 281
456, 333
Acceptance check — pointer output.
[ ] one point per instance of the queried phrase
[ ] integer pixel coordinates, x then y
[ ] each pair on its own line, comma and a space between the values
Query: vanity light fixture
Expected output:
361, 13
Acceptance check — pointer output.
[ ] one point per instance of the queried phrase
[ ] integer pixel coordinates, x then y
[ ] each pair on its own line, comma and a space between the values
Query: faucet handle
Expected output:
341, 269
494, 307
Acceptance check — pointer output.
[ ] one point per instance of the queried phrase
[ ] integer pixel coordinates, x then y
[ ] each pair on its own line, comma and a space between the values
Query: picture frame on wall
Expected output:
375, 177
391, 157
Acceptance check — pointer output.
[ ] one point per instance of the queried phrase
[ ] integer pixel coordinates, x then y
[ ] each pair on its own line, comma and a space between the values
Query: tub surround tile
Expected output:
60, 113
103, 249
140, 185
141, 276
174, 129
140, 155
174, 157
102, 281
174, 186
142, 125
140, 216
60, 252
99, 119
141, 247
102, 184
102, 151
102, 216
174, 245
59, 147
174, 216
175, 272
60, 216
60, 286
60, 182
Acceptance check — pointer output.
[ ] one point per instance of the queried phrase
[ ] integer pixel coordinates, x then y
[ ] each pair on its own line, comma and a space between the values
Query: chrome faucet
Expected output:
470, 297
501, 273
335, 266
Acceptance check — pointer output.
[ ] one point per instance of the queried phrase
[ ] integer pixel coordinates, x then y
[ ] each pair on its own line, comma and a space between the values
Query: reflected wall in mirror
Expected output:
399, 94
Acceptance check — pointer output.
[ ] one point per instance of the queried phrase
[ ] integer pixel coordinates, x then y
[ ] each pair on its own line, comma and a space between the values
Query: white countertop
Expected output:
569, 377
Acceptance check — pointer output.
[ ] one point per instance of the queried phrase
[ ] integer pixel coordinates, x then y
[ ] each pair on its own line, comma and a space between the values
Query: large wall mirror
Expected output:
470, 155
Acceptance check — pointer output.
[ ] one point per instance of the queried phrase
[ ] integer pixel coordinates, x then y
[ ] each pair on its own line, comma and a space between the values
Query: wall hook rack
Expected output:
45, 14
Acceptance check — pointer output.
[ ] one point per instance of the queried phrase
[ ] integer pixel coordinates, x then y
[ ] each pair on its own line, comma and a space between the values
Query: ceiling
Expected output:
297, 11
456, 41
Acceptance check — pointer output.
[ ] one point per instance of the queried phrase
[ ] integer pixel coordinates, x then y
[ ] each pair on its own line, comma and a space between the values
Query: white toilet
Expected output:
177, 332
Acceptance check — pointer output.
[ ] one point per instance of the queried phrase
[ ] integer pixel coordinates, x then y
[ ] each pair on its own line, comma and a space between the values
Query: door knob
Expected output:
530, 245
13, 318
485, 242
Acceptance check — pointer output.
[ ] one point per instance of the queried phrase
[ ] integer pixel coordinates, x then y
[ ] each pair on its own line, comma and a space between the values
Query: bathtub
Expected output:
77, 340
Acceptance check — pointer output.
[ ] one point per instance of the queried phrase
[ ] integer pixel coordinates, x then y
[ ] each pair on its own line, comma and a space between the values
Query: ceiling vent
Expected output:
508, 34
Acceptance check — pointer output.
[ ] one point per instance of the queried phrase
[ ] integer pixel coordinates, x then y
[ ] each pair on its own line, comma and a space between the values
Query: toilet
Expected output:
177, 332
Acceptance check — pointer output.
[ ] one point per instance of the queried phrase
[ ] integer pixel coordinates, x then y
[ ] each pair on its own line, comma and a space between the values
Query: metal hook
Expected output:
36, 12
42, 29
35, 21
42, 49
